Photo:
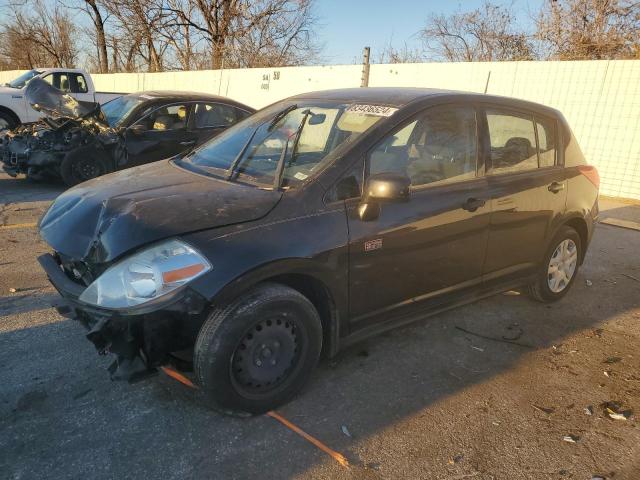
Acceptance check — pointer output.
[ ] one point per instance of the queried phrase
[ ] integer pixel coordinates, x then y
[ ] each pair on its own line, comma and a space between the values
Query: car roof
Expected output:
177, 95
402, 96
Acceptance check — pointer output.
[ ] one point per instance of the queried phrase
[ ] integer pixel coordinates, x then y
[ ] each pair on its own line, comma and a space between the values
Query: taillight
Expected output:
591, 173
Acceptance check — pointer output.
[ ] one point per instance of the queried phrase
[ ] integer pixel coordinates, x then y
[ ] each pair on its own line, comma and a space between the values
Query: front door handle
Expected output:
188, 143
556, 187
472, 204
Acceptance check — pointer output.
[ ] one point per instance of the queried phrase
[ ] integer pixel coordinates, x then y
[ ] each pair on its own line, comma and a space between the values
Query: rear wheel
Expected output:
83, 164
559, 268
257, 353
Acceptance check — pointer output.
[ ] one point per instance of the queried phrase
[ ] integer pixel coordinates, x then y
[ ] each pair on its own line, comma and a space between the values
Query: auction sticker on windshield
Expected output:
377, 110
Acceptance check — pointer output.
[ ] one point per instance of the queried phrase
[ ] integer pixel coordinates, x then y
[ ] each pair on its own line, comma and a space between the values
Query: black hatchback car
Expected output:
317, 221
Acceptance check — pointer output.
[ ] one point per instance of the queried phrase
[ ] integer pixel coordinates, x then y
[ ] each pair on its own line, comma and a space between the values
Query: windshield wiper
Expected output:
277, 179
280, 115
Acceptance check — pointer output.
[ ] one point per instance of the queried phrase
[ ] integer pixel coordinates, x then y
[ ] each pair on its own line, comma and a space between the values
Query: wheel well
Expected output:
580, 226
319, 295
10, 112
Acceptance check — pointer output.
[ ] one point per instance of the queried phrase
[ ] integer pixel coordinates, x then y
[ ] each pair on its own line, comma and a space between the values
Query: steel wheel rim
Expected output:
562, 265
85, 170
266, 355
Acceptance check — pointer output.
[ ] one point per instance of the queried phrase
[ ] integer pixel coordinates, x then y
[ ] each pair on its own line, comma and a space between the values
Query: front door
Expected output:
161, 134
435, 243
528, 191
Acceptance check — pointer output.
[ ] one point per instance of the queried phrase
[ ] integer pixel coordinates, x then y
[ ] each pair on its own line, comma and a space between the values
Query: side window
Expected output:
440, 146
241, 114
59, 80
81, 83
513, 142
171, 117
546, 129
210, 115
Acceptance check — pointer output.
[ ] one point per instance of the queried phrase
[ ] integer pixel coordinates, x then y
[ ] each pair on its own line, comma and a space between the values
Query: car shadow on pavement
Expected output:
405, 394
21, 190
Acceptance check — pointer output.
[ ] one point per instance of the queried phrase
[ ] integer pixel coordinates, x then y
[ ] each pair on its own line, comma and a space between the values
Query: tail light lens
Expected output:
591, 173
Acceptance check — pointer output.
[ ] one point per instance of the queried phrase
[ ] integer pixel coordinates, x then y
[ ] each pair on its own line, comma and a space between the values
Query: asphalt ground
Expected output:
428, 401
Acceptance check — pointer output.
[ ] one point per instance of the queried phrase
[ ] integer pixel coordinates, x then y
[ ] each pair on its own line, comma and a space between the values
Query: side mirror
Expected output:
383, 188
387, 187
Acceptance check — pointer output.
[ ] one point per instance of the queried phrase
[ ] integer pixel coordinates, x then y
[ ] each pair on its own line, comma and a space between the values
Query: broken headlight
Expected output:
146, 275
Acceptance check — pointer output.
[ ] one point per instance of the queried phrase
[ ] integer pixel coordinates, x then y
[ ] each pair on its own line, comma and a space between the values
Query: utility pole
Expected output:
365, 67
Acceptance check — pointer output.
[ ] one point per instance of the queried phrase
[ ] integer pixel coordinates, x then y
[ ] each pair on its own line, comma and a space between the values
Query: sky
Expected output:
347, 26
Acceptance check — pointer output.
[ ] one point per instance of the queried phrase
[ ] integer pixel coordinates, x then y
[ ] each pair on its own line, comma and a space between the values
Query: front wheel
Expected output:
83, 164
559, 268
258, 352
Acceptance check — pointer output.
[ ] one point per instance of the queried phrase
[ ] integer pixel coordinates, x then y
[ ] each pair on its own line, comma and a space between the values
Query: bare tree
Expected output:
484, 34
391, 54
138, 22
590, 29
36, 35
244, 33
98, 18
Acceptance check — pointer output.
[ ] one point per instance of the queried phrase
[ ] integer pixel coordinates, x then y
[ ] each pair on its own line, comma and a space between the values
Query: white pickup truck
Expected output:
14, 108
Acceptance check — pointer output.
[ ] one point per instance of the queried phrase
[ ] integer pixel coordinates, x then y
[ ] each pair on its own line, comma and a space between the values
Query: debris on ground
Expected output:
477, 348
12, 290
589, 283
588, 410
610, 360
456, 459
614, 410
607, 374
346, 431
546, 410
571, 438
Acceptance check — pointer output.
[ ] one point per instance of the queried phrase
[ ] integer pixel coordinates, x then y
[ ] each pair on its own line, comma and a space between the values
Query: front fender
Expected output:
315, 246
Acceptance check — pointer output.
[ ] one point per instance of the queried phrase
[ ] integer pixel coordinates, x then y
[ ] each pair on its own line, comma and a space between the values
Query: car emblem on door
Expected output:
373, 245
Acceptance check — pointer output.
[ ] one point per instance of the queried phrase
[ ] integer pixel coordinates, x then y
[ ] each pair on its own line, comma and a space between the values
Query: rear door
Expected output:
211, 118
527, 190
161, 134
434, 244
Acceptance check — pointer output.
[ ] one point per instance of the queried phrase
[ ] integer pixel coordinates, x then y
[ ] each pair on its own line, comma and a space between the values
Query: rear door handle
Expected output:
556, 187
472, 204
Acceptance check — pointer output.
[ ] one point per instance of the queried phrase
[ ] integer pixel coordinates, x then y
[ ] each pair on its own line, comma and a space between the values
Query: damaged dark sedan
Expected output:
78, 141
315, 222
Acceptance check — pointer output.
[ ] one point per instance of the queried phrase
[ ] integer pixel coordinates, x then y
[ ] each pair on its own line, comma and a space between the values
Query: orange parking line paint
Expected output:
18, 225
338, 457
178, 376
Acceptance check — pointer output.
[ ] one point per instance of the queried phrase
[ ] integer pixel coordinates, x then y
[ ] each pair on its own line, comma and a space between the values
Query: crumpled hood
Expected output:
103, 218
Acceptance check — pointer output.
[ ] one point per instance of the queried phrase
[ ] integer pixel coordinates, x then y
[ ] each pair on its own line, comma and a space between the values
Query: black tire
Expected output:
231, 344
8, 121
84, 164
540, 290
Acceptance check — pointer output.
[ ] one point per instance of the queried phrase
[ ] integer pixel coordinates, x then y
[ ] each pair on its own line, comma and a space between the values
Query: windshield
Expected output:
118, 110
23, 79
307, 136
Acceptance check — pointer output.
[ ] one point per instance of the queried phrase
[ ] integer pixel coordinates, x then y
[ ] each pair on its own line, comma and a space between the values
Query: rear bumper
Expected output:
140, 340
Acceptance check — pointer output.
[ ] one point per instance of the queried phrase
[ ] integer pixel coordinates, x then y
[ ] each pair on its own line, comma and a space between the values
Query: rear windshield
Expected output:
306, 136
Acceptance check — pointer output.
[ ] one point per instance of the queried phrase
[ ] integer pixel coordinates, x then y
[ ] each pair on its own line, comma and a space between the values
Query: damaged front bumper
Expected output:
141, 338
